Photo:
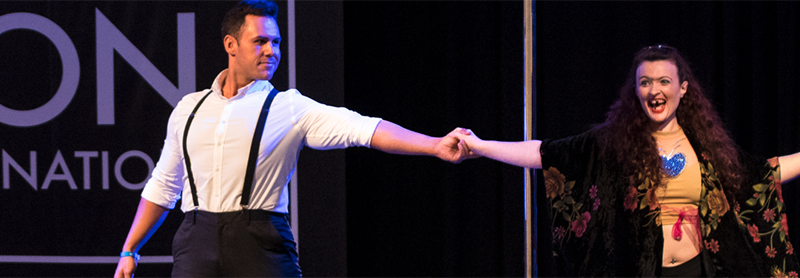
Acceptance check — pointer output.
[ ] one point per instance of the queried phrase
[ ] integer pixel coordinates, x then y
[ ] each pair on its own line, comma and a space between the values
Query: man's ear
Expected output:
231, 45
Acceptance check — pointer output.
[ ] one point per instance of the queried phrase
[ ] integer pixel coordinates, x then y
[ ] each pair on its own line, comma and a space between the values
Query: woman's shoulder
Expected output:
586, 138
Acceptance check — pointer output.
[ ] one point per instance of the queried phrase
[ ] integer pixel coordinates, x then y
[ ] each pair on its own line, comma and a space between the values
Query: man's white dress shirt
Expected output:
219, 143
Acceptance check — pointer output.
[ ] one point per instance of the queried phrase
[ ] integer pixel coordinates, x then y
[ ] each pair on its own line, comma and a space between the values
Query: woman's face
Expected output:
660, 91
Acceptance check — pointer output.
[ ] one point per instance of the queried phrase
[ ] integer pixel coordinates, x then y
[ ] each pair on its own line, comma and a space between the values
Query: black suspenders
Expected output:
186, 152
251, 160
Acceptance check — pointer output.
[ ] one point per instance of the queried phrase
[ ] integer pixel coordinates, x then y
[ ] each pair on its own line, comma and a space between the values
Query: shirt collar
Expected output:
255, 86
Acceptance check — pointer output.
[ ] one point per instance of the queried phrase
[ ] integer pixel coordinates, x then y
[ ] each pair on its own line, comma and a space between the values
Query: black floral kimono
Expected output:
601, 225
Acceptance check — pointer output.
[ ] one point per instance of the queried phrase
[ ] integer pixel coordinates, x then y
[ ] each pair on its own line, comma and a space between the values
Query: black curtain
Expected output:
430, 67
744, 53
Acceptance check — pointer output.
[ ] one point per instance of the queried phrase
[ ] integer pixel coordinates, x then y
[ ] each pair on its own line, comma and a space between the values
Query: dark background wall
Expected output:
428, 66
432, 66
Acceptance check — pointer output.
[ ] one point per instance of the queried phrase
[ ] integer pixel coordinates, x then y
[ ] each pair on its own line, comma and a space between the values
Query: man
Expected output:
224, 233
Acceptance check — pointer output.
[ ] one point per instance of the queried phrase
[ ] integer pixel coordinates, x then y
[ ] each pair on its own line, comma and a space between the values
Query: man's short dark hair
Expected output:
234, 19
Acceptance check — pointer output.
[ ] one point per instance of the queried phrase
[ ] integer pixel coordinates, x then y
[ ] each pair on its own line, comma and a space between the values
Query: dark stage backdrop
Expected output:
745, 53
431, 66
88, 87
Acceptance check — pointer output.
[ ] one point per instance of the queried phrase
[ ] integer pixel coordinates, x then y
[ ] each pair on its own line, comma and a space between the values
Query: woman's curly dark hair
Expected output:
627, 130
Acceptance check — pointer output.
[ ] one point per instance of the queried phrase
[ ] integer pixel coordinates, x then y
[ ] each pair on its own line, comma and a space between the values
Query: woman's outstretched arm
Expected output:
521, 153
790, 166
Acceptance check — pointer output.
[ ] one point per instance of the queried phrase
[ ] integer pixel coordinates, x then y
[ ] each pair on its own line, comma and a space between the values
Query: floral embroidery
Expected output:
768, 198
770, 252
646, 195
631, 199
769, 215
554, 182
652, 199
712, 245
559, 233
767, 203
593, 195
760, 212
713, 202
776, 185
779, 273
784, 223
579, 225
641, 197
717, 202
736, 213
775, 179
559, 190
754, 232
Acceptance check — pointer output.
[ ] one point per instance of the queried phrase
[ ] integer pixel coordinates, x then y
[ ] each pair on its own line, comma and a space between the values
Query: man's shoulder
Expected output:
295, 97
291, 92
193, 98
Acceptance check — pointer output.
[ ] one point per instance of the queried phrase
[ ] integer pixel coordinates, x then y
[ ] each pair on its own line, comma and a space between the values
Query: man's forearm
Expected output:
392, 138
148, 218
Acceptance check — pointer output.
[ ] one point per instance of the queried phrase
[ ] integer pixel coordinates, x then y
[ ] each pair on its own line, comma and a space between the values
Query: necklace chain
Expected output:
675, 146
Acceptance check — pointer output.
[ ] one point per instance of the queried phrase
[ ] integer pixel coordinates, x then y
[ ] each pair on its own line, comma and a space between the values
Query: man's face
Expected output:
258, 52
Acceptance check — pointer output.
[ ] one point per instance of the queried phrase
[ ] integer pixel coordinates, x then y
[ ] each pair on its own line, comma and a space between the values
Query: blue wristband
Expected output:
129, 254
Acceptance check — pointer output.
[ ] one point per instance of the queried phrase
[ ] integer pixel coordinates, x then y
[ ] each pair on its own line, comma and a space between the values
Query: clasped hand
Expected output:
455, 146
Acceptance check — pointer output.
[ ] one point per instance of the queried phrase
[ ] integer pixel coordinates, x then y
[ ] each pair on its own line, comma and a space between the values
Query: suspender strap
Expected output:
186, 152
253, 157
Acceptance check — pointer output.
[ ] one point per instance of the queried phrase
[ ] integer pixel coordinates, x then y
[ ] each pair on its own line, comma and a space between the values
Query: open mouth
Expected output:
657, 105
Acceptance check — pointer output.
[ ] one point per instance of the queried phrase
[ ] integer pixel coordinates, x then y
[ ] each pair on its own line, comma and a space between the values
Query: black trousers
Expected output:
691, 268
246, 243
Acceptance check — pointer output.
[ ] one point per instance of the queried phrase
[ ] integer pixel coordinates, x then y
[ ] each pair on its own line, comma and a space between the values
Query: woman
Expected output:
659, 188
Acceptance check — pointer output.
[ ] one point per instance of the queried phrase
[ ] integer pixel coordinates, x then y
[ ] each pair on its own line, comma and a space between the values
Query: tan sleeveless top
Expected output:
681, 195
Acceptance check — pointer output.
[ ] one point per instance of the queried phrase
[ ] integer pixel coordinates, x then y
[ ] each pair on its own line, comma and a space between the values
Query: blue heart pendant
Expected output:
674, 165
